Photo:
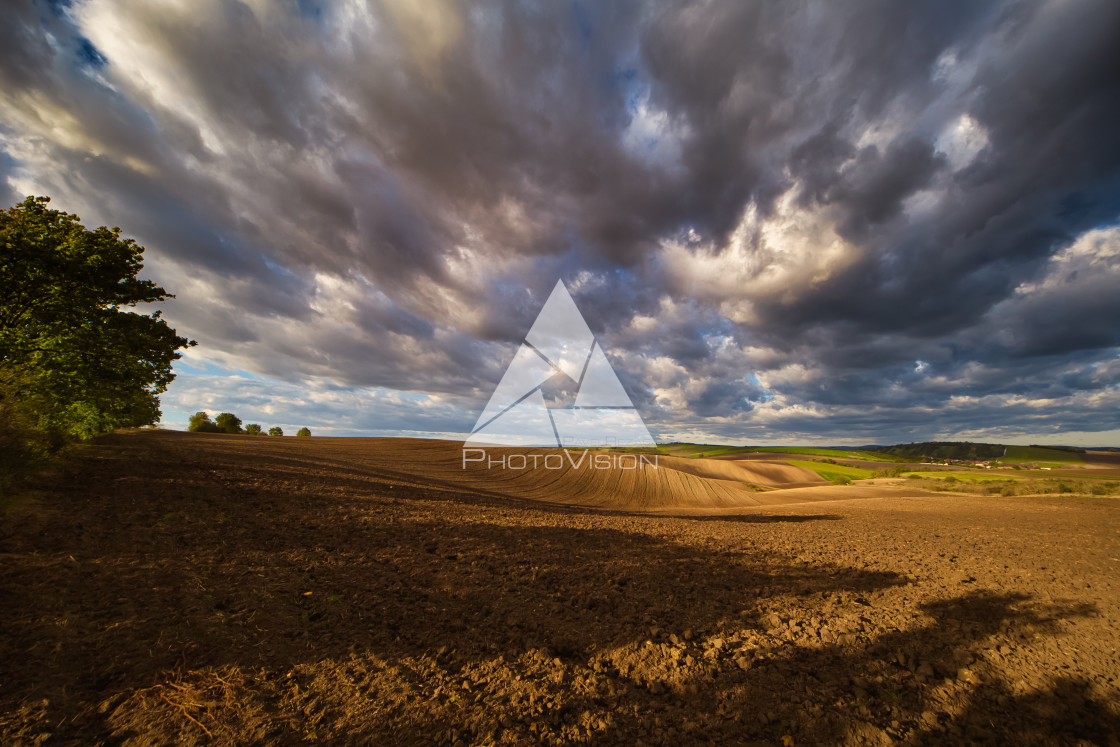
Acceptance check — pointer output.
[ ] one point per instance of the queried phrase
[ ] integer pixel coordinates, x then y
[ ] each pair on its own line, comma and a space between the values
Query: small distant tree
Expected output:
303, 432
200, 422
276, 431
253, 429
227, 422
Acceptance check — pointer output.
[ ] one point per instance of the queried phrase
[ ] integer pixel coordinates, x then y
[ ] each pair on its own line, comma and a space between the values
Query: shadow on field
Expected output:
414, 616
754, 518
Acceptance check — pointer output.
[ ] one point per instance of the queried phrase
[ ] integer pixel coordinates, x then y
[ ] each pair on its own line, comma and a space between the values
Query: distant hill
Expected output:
982, 452
945, 450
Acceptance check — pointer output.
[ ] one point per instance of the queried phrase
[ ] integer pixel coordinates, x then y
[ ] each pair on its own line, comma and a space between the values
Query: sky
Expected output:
785, 222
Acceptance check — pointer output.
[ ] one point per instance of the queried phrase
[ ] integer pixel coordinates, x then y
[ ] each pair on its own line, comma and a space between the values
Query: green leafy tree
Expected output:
305, 432
200, 422
276, 431
22, 443
253, 429
73, 361
227, 422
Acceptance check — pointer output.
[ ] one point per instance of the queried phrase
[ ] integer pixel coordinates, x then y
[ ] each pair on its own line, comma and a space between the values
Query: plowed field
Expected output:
165, 588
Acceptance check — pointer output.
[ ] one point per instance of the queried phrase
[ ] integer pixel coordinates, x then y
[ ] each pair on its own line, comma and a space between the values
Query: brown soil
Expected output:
1098, 464
771, 473
1105, 458
179, 588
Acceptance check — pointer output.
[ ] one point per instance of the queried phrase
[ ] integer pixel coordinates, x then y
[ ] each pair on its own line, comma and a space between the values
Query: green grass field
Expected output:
1040, 454
696, 451
969, 476
832, 471
658, 450
719, 451
866, 456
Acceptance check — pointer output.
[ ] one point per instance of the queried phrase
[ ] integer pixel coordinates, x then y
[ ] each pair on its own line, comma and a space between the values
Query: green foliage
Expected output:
276, 431
200, 422
253, 429
227, 422
23, 445
73, 361
304, 432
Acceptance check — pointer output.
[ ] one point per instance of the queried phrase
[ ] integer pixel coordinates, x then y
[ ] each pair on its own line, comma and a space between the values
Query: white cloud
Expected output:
777, 259
962, 141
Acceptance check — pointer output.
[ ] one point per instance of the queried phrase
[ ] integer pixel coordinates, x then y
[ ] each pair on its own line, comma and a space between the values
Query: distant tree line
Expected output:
74, 360
227, 422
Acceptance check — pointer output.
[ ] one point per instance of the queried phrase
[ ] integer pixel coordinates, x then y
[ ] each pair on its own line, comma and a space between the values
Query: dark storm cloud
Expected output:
727, 397
869, 217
